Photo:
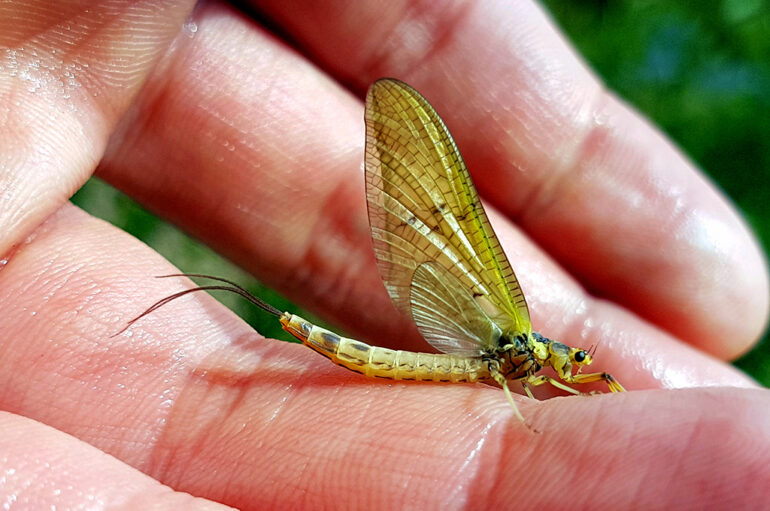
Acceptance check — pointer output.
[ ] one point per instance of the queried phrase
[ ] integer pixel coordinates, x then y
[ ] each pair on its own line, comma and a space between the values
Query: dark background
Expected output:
700, 70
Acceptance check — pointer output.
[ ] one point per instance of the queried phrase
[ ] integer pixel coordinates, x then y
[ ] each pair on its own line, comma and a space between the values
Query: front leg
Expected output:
613, 384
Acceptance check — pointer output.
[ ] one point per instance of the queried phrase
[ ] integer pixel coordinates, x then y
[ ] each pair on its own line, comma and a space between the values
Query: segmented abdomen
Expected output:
374, 361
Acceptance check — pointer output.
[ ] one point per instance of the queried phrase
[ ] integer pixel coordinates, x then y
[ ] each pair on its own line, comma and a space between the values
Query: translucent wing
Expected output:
423, 208
447, 315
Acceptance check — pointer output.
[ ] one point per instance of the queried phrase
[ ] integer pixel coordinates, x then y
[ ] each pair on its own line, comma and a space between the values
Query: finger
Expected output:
199, 403
47, 469
626, 449
68, 73
592, 181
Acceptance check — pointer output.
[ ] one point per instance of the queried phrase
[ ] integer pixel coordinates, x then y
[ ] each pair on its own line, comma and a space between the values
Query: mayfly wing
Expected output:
447, 314
423, 208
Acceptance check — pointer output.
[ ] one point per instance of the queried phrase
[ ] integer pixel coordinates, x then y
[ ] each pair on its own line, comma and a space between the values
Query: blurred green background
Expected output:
700, 70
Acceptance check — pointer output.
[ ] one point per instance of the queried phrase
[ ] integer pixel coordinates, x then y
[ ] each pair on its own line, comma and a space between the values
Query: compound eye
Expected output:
580, 356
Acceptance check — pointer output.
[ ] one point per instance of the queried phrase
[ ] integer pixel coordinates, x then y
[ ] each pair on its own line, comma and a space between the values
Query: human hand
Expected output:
243, 142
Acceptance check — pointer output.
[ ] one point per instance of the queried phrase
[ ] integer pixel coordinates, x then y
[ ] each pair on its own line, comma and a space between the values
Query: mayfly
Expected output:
441, 263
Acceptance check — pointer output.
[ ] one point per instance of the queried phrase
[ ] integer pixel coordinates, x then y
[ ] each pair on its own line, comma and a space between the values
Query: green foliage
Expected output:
701, 71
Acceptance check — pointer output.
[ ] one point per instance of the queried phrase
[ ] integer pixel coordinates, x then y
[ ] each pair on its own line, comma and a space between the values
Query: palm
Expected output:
238, 140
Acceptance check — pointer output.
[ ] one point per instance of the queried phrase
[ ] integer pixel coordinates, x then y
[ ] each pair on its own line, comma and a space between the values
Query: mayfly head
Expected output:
558, 355
580, 358
589, 356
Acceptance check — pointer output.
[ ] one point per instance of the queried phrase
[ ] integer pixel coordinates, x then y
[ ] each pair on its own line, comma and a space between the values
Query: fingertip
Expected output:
725, 298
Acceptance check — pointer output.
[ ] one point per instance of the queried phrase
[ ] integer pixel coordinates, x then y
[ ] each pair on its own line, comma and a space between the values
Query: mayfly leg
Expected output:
613, 384
494, 372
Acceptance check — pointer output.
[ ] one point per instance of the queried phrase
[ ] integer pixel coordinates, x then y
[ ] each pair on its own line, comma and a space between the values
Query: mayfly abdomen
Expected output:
374, 361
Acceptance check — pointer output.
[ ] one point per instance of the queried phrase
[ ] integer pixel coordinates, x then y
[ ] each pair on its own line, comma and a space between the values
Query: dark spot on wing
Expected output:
440, 208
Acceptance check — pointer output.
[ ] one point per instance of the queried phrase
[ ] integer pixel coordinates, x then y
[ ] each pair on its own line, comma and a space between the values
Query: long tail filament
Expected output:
231, 287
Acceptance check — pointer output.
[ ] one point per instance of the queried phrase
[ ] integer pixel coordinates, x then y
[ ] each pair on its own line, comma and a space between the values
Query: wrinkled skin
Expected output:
219, 126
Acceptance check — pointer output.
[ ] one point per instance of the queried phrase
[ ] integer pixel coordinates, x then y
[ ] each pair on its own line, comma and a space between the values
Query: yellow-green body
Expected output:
374, 361
517, 358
